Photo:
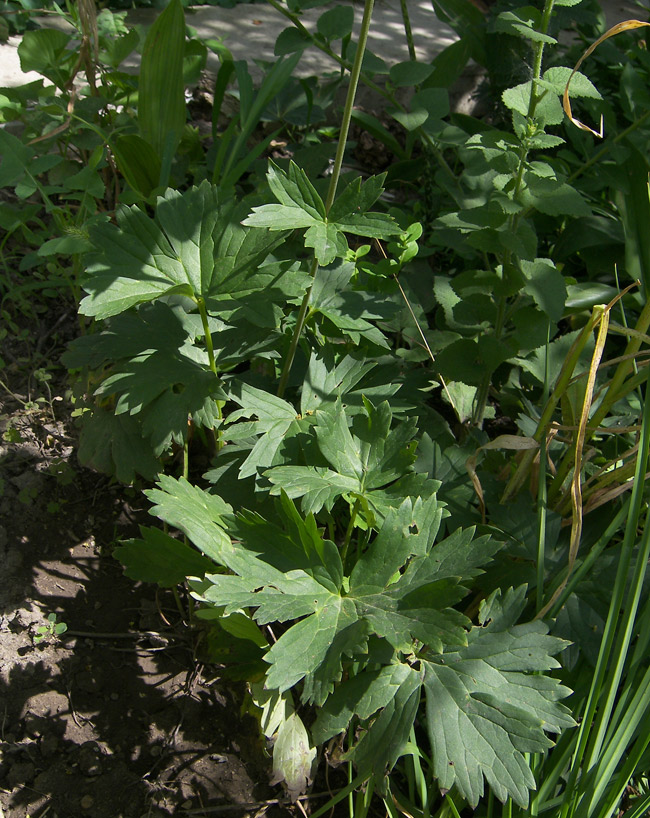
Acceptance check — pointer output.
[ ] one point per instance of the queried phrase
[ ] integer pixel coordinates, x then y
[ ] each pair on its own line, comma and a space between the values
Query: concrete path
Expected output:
250, 31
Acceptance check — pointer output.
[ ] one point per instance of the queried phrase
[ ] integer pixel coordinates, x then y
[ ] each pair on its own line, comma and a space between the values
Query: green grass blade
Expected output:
634, 207
573, 791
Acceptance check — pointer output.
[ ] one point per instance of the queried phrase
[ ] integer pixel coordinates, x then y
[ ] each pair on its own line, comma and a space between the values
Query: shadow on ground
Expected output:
115, 718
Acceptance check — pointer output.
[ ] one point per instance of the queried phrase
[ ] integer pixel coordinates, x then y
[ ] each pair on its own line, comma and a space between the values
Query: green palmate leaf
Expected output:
326, 380
156, 371
167, 389
115, 444
371, 225
363, 695
152, 327
366, 457
280, 217
348, 310
383, 744
327, 242
159, 558
295, 189
334, 625
357, 197
484, 710
301, 207
196, 513
193, 246
318, 487
274, 418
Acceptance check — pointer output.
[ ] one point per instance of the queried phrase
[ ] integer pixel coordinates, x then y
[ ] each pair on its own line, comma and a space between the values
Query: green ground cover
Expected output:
395, 426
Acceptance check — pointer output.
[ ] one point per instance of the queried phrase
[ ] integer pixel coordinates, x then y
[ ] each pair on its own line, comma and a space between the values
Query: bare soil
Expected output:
115, 718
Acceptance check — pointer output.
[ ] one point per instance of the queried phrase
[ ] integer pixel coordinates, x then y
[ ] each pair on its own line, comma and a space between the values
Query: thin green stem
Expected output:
452, 806
212, 362
345, 64
541, 493
407, 29
349, 530
349, 103
334, 179
178, 602
200, 302
295, 338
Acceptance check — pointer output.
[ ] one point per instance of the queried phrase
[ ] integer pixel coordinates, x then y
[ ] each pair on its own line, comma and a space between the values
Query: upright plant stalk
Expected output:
407, 29
483, 389
541, 495
211, 360
334, 180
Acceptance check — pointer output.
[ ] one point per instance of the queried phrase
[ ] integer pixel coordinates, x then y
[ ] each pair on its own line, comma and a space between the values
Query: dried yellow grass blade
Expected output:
576, 483
627, 25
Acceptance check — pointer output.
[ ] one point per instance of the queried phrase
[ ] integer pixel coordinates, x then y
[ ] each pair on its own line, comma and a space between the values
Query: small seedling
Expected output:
52, 630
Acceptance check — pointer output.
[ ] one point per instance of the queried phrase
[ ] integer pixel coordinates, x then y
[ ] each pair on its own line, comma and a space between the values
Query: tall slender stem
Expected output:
213, 364
483, 390
297, 332
349, 102
407, 29
334, 180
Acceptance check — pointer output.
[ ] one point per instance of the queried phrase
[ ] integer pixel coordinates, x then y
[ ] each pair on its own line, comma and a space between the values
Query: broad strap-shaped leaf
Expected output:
193, 246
